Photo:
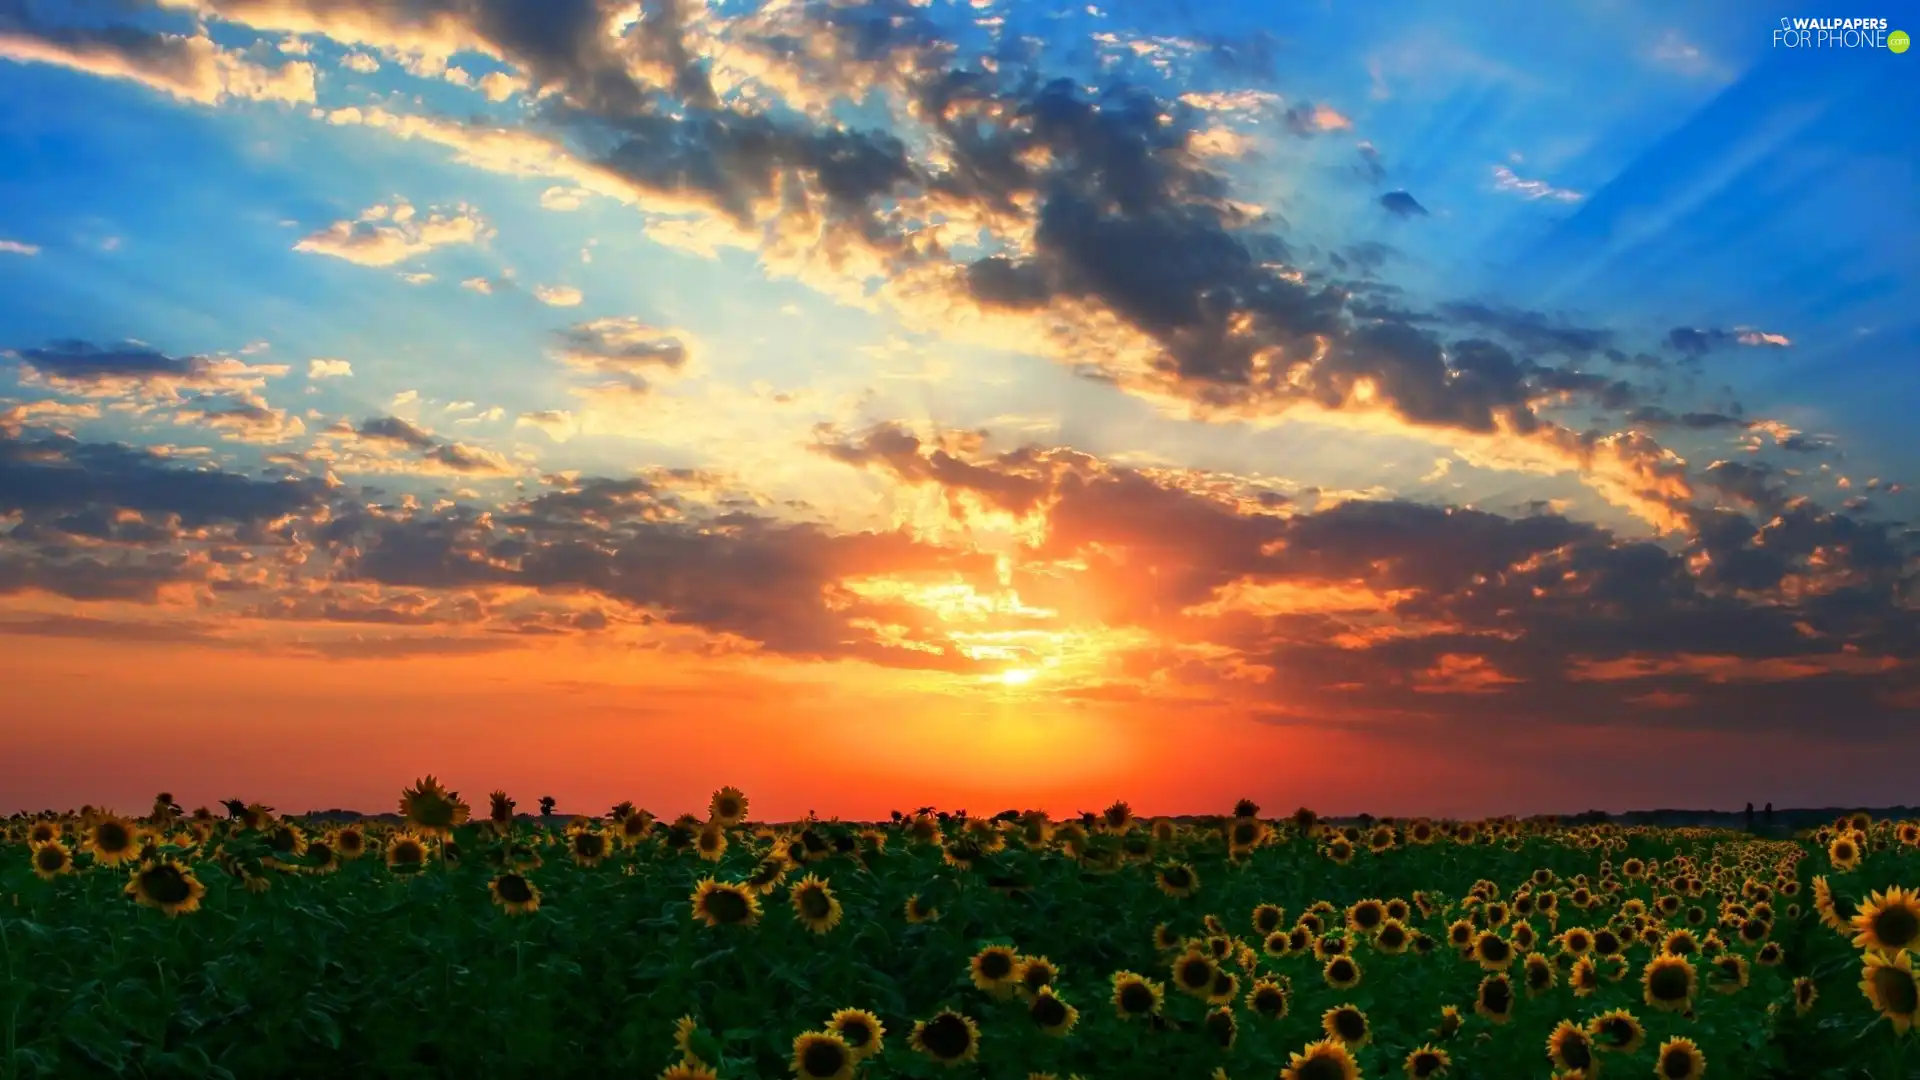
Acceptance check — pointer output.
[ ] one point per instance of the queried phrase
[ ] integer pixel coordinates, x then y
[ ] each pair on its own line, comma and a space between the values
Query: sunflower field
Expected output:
434, 943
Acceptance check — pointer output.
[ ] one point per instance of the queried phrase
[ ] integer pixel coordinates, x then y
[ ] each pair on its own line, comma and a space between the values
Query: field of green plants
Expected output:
239, 943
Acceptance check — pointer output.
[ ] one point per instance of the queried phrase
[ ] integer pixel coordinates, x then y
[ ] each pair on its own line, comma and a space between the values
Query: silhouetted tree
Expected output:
1749, 817
546, 806
1769, 814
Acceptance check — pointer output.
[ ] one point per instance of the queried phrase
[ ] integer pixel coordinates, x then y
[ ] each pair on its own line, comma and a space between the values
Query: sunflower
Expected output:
861, 1031
1193, 973
1348, 1024
1679, 1059
1492, 952
515, 894
727, 807
947, 1037
822, 1055
1844, 853
1669, 983
1135, 996
1177, 880
920, 911
167, 887
1365, 916
1728, 974
1450, 1021
711, 842
286, 838
1226, 986
1461, 933
1037, 973
1427, 1061
500, 811
1583, 976
1268, 918
814, 904
1494, 1001
406, 853
1753, 931
1835, 910
1770, 955
1392, 937
43, 831
1889, 921
1328, 1059
689, 1069
1341, 973
1617, 1031
1267, 998
1570, 1047
1051, 1014
1339, 850
432, 810
321, 858
1889, 985
995, 969
724, 903
112, 840
587, 845
1680, 943
349, 841
51, 859
1537, 974
1329, 946
1805, 993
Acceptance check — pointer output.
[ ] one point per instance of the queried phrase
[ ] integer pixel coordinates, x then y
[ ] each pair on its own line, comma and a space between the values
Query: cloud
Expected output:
363, 63
16, 247
242, 418
329, 369
558, 424
134, 369
1505, 179
557, 295
1307, 120
478, 284
623, 352
564, 198
384, 235
191, 68
1696, 342
390, 444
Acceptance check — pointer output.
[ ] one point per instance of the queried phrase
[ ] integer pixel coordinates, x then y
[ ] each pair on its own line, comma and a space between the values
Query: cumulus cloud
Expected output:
134, 369
558, 295
623, 353
189, 67
384, 235
321, 368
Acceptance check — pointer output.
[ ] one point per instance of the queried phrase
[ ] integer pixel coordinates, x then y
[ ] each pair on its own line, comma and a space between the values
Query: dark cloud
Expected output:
1531, 330
50, 476
1401, 204
1655, 416
1693, 342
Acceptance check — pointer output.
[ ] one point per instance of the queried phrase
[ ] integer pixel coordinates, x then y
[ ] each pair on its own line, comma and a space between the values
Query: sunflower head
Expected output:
920, 910
947, 1037
1348, 1024
1193, 973
1341, 973
1669, 982
860, 1030
1494, 1000
514, 893
822, 1055
724, 903
166, 886
1889, 921
1267, 999
1425, 1062
1679, 1059
1617, 1031
1328, 1059
727, 807
431, 809
1135, 997
1177, 880
1051, 1014
815, 905
1889, 985
112, 840
1570, 1047
406, 853
51, 859
1805, 993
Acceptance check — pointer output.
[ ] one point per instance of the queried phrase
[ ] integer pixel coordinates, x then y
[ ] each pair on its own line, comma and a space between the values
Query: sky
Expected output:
884, 403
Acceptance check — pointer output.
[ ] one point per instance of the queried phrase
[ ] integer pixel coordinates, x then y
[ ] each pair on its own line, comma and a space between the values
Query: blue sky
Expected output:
932, 274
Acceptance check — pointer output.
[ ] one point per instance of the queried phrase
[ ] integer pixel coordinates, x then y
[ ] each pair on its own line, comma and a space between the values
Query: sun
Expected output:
1018, 676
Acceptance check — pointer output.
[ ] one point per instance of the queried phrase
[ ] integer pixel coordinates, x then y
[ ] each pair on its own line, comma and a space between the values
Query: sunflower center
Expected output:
1668, 983
996, 965
1036, 976
49, 858
815, 904
1497, 997
727, 906
1366, 916
822, 1058
1178, 877
165, 884
947, 1036
112, 836
1048, 1011
1196, 973
1575, 1052
1425, 1064
1897, 991
1136, 997
855, 1032
1896, 926
408, 853
1269, 1002
1341, 970
1350, 1025
514, 889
